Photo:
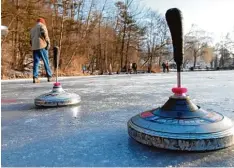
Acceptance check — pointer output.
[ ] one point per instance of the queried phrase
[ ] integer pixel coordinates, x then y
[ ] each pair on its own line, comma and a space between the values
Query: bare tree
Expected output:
195, 42
98, 33
225, 48
157, 38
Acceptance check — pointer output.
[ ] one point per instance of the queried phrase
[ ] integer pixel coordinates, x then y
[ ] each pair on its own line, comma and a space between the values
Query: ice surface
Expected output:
95, 133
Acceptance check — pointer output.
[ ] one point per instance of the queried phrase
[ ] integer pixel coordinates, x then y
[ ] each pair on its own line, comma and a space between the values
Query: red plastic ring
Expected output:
57, 84
179, 91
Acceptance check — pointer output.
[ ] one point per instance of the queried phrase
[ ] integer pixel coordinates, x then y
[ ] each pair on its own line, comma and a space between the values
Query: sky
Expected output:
213, 16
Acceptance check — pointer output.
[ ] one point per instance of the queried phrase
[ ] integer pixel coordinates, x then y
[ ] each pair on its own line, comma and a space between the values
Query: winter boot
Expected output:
36, 80
50, 79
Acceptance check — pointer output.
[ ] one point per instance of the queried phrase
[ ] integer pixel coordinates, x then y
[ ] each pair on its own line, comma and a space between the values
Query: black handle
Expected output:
56, 56
174, 21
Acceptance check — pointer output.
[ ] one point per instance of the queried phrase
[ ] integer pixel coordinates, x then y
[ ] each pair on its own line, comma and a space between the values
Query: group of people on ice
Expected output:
131, 68
165, 67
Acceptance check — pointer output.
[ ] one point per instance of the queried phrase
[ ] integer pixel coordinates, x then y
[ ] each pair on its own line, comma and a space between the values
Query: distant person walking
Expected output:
134, 68
164, 67
167, 67
130, 67
110, 69
83, 68
40, 43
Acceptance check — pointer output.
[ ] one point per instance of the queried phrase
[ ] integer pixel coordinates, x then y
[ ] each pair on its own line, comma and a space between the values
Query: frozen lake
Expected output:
95, 133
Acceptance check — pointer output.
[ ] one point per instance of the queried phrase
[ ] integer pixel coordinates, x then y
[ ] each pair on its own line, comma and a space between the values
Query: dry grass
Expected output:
155, 69
8, 73
75, 69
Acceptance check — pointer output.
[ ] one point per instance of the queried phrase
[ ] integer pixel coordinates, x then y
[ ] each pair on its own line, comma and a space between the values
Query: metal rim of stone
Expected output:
185, 142
57, 97
181, 125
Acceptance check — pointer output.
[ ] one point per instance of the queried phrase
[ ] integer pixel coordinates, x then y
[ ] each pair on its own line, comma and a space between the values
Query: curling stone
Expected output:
57, 97
180, 124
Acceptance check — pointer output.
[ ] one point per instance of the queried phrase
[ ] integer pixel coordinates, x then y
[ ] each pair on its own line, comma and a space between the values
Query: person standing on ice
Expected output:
134, 67
164, 67
40, 43
129, 67
83, 68
167, 67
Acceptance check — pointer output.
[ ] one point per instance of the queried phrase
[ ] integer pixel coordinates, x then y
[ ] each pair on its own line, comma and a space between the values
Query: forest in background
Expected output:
101, 34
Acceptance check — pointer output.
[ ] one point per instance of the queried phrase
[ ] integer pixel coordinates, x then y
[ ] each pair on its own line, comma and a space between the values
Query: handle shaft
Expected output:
56, 60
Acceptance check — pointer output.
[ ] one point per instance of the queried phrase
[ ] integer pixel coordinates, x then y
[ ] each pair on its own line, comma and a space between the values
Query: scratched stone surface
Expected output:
95, 133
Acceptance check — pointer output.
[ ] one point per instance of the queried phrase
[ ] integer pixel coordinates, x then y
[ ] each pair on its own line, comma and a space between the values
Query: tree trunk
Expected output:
99, 60
221, 62
211, 64
194, 60
216, 62
128, 42
160, 60
122, 46
16, 40
150, 64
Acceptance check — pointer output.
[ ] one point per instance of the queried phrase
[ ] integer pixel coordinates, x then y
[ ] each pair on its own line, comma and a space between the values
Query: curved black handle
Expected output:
174, 21
56, 56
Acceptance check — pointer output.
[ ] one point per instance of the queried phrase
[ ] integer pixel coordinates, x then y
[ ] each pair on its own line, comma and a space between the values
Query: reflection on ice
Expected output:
75, 111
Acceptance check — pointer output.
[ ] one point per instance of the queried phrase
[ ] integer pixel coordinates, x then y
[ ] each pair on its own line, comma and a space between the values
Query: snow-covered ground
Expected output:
95, 133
